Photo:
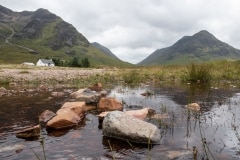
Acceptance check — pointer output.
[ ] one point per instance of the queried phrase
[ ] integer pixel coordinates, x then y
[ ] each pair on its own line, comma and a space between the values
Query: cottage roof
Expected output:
46, 61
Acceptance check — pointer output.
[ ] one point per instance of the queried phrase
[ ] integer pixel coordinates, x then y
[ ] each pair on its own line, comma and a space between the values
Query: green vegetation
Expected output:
220, 72
198, 73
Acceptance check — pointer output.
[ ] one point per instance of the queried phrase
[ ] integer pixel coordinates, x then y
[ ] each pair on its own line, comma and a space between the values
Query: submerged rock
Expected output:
122, 126
32, 132
109, 104
15, 147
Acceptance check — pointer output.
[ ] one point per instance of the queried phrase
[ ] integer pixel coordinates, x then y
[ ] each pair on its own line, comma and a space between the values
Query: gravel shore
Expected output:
46, 74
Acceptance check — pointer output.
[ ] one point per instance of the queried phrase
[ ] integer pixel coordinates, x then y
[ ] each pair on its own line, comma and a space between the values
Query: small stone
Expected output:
193, 107
46, 116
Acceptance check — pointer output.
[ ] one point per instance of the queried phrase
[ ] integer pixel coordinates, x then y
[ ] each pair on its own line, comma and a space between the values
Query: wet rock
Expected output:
147, 93
70, 114
32, 132
3, 91
122, 126
87, 95
15, 147
46, 116
159, 116
57, 94
43, 87
76, 107
96, 87
172, 155
64, 119
109, 104
193, 107
140, 113
183, 154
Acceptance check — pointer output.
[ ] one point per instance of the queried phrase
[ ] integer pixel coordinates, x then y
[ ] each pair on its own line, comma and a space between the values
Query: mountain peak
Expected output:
205, 34
202, 46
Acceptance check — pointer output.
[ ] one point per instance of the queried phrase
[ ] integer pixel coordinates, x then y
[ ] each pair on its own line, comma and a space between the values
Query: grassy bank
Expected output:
193, 73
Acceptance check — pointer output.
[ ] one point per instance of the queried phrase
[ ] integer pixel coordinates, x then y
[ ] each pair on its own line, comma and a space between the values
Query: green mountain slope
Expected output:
200, 47
28, 36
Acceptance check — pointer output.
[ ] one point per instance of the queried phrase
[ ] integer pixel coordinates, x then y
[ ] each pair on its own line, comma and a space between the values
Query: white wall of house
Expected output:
42, 62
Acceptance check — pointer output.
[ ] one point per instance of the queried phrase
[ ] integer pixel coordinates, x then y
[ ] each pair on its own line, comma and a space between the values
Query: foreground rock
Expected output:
32, 132
122, 126
70, 114
87, 95
109, 104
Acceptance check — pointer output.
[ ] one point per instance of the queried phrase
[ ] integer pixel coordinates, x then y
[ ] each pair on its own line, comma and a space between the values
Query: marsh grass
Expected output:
198, 73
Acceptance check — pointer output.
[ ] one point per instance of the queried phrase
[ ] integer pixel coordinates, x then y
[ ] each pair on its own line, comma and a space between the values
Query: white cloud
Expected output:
134, 29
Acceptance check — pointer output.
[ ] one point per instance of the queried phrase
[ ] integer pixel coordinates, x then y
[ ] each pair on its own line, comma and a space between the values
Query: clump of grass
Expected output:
132, 77
198, 73
24, 72
4, 81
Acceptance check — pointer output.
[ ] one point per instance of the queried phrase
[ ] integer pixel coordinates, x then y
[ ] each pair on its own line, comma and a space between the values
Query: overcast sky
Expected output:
133, 29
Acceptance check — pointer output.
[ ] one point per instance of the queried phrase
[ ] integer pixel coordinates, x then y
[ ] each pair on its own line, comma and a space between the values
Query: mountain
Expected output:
28, 36
104, 50
200, 47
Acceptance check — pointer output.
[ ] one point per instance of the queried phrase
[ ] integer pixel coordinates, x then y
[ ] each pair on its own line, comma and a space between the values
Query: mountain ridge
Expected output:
31, 35
202, 46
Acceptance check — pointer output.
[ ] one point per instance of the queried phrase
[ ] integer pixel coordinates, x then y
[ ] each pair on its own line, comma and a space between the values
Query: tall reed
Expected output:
198, 73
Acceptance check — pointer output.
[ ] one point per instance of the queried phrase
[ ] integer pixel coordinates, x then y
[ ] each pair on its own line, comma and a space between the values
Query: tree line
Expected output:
74, 62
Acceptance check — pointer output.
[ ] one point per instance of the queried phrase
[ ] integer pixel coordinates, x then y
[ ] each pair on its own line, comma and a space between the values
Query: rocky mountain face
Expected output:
202, 46
104, 49
39, 34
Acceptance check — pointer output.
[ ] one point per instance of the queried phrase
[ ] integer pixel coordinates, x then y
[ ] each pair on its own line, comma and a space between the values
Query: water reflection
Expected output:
214, 131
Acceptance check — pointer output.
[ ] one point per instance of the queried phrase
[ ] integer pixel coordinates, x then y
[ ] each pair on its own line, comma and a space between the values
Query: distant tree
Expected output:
57, 61
85, 62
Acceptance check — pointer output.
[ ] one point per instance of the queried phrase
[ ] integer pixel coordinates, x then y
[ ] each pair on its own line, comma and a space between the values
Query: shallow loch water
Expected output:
213, 131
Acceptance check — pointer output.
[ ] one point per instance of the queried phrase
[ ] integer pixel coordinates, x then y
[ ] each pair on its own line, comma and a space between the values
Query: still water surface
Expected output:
214, 131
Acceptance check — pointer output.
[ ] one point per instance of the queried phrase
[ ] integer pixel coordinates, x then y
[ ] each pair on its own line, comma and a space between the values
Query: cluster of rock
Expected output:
115, 123
128, 125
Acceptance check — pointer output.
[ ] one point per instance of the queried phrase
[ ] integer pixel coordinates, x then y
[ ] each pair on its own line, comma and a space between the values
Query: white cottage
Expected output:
45, 62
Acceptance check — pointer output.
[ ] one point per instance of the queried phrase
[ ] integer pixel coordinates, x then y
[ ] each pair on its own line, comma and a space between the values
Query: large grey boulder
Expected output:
126, 127
87, 95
